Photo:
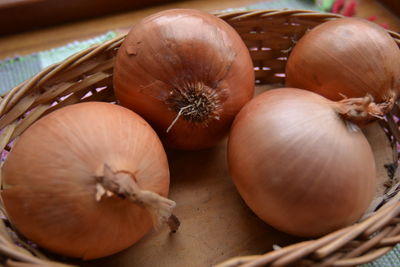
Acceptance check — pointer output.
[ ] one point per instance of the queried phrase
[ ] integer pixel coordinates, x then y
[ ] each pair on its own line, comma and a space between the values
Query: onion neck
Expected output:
124, 185
363, 109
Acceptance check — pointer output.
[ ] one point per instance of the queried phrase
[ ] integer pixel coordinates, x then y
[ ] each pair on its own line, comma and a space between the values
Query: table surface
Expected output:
38, 40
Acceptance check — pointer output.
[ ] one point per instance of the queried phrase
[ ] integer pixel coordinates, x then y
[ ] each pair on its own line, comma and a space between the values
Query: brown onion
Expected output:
298, 165
347, 57
187, 73
86, 180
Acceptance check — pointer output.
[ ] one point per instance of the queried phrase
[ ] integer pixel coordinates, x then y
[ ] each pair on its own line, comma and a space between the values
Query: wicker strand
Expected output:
369, 244
362, 259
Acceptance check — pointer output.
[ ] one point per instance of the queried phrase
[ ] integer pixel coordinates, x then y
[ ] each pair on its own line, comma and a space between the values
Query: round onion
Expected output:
187, 73
298, 165
347, 57
87, 180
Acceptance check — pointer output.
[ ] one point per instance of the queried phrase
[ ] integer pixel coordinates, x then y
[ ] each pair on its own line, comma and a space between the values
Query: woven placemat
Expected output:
20, 68
15, 70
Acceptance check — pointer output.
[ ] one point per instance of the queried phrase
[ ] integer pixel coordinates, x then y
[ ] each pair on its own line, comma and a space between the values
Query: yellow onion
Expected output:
87, 180
347, 57
187, 73
298, 165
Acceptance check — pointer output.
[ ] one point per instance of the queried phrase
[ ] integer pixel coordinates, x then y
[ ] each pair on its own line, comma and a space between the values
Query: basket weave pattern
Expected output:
270, 36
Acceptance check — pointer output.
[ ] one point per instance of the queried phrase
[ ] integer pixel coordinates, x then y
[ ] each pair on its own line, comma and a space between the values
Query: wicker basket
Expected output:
269, 35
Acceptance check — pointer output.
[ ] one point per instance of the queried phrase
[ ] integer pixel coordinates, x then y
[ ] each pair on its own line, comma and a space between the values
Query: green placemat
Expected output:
15, 70
18, 69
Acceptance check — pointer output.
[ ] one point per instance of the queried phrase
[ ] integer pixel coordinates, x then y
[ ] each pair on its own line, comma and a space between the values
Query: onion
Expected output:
347, 57
298, 165
187, 73
87, 180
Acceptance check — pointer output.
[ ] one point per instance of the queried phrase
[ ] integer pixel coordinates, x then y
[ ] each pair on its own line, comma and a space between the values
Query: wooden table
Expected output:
29, 42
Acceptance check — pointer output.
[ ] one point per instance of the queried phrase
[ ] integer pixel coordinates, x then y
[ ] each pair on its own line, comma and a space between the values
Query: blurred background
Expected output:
23, 15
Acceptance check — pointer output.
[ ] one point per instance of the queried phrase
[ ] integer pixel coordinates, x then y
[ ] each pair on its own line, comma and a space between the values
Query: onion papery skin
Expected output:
180, 57
298, 165
347, 57
49, 179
